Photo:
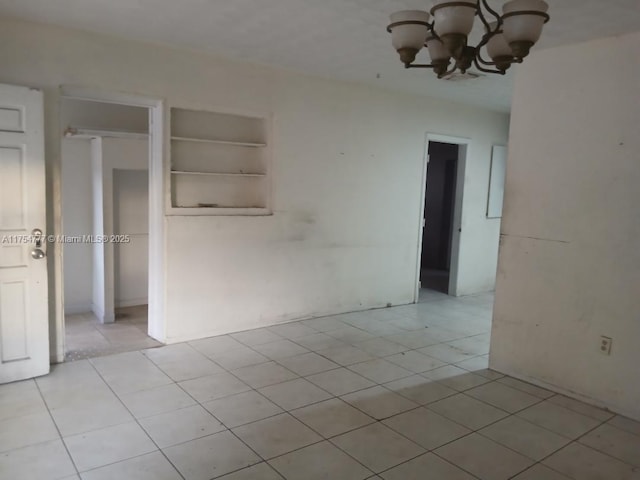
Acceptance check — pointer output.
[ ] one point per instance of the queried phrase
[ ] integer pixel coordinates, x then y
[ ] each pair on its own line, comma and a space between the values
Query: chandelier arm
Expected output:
449, 72
486, 70
479, 58
485, 39
433, 33
483, 19
489, 32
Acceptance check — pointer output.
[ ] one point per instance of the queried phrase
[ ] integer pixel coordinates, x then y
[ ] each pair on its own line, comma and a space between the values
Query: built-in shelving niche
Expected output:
219, 164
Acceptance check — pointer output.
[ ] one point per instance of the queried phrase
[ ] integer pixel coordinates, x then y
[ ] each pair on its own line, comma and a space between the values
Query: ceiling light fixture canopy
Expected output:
508, 38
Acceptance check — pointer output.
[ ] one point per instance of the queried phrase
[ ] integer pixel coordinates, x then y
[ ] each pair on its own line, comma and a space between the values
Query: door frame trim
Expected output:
463, 152
157, 252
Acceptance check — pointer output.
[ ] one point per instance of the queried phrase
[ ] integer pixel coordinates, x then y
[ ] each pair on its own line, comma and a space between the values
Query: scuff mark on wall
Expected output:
505, 235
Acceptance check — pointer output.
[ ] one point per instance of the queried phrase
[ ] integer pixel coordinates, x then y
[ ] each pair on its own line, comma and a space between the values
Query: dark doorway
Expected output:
439, 206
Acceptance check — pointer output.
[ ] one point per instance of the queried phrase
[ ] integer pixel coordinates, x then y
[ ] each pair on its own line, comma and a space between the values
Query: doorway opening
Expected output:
109, 162
435, 264
439, 241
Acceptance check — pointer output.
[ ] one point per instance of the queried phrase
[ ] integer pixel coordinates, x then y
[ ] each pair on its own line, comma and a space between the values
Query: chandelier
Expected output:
508, 38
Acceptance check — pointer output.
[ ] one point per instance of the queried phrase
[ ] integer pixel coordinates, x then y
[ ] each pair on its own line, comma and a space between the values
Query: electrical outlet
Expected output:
605, 345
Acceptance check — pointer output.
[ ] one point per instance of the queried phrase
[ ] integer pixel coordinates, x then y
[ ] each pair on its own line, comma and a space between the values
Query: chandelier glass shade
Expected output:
507, 38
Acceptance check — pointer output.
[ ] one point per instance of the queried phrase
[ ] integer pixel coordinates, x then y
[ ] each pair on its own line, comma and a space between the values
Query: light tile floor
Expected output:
86, 337
397, 394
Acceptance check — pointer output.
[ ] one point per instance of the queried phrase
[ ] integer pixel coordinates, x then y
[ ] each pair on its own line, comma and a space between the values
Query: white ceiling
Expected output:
340, 39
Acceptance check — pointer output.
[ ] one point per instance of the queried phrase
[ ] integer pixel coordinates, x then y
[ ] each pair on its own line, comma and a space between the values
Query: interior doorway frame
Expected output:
157, 154
456, 230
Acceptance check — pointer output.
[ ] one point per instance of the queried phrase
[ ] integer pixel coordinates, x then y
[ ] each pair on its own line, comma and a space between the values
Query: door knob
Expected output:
37, 254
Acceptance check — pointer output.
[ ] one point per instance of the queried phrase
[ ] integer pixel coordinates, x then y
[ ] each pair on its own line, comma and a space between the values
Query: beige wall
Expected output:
569, 267
347, 181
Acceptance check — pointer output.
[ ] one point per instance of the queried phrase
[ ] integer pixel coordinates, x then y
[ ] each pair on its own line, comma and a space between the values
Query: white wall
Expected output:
77, 216
478, 243
569, 268
346, 181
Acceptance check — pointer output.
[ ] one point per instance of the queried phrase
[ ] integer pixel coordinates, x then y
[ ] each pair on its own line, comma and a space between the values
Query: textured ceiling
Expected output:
340, 39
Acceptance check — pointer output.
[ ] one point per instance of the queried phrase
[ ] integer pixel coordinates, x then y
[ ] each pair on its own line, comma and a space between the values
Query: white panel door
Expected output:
24, 324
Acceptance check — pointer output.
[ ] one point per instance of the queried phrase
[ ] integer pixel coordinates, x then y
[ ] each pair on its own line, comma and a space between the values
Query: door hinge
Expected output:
424, 223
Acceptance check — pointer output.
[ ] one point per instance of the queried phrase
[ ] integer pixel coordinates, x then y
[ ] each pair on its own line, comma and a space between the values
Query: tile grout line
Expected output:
288, 412
135, 419
227, 429
248, 467
230, 430
380, 421
444, 444
577, 441
61, 438
279, 364
295, 418
536, 462
477, 431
